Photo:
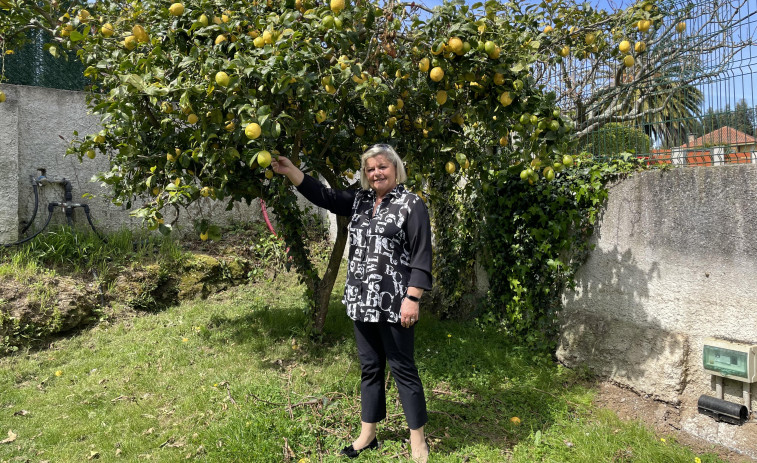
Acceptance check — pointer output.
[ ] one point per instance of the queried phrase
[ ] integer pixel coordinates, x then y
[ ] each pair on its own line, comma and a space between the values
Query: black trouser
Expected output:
377, 343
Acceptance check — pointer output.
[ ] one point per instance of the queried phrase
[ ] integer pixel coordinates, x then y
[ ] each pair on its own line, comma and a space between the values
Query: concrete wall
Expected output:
675, 262
35, 127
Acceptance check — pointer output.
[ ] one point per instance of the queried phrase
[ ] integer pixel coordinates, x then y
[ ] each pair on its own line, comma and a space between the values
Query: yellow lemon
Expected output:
640, 47
259, 42
359, 130
107, 30
320, 116
192, 118
203, 20
548, 29
441, 97
204, 236
506, 99
91, 154
176, 9
436, 74
629, 61
220, 39
424, 64
499, 79
503, 140
252, 131
450, 167
624, 46
455, 45
565, 51
680, 27
264, 159
269, 174
337, 6
130, 42
222, 79
515, 420
140, 33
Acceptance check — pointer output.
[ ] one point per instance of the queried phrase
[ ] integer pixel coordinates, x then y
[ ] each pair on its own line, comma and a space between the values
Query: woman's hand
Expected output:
409, 313
284, 166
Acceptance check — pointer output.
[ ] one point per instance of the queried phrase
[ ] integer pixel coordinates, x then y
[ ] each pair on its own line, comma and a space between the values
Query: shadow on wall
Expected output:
607, 327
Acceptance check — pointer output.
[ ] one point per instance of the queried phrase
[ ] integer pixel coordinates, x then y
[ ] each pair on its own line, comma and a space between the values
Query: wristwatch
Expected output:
413, 298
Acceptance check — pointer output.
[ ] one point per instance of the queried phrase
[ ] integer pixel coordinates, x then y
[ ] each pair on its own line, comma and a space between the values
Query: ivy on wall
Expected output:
530, 238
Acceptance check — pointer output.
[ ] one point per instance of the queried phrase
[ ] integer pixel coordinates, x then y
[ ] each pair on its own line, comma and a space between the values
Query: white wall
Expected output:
35, 127
675, 262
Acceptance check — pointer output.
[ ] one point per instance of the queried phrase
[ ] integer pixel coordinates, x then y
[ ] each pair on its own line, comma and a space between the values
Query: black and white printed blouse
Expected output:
389, 251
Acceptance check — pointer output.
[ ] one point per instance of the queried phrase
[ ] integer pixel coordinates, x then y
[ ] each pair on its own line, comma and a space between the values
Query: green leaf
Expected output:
75, 36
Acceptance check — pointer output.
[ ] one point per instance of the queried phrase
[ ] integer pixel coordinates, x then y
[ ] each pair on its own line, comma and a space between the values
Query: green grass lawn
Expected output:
233, 378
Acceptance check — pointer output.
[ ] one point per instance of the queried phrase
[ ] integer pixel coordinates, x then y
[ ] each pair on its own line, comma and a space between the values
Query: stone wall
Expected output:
674, 263
36, 125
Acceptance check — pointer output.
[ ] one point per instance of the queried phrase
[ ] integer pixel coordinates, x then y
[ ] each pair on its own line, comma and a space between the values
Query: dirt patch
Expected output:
664, 418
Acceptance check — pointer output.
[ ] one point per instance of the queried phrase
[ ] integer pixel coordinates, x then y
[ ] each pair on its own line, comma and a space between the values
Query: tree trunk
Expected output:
326, 284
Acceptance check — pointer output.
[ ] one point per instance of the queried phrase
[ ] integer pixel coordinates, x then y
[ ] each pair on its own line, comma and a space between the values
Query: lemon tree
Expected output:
197, 97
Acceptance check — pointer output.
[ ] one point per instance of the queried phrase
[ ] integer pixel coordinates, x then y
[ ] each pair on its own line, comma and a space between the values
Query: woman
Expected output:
389, 268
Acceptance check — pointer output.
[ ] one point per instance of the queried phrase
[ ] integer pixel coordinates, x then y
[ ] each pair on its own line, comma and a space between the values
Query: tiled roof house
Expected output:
725, 145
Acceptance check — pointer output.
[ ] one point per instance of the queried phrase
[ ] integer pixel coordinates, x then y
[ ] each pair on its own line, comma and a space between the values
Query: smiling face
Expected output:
381, 174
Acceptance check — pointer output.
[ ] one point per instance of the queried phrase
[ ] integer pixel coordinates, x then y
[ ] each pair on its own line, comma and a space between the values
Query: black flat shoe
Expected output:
350, 451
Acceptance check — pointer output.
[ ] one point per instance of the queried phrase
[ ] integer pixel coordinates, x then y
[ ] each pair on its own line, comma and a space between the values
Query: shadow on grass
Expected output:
475, 380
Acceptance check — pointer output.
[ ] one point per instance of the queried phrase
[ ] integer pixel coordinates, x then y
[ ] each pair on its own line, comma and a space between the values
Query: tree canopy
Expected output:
197, 96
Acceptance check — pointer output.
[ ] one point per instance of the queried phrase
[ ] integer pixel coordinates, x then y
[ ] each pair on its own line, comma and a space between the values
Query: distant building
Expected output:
723, 146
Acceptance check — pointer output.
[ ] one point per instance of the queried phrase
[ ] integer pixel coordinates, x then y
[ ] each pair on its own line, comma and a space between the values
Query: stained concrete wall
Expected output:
35, 127
675, 262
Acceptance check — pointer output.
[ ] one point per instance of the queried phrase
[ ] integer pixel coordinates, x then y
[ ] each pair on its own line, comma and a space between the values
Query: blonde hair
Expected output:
388, 152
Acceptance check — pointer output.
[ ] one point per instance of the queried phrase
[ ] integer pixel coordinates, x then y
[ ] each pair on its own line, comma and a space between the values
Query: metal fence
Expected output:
32, 65
687, 99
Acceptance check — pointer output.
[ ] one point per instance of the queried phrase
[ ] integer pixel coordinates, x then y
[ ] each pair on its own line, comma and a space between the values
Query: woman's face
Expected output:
381, 174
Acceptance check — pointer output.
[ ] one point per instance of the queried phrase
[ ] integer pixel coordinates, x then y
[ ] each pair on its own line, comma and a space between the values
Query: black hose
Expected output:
68, 197
36, 206
50, 209
89, 219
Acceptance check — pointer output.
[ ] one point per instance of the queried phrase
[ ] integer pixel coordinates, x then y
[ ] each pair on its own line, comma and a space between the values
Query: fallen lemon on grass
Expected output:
515, 420
204, 236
